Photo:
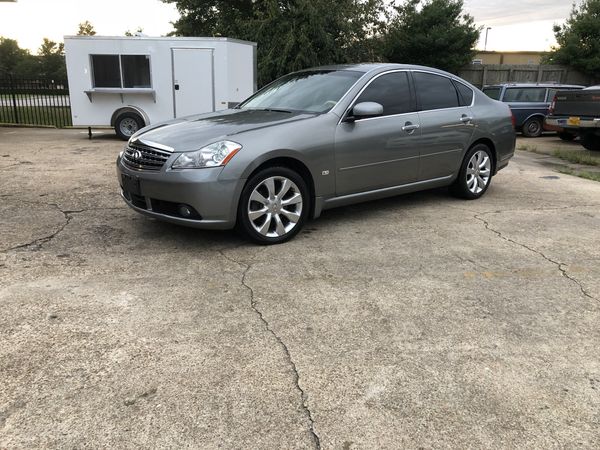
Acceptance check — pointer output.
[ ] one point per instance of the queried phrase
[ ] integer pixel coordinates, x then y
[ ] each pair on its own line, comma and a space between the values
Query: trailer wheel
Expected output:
127, 124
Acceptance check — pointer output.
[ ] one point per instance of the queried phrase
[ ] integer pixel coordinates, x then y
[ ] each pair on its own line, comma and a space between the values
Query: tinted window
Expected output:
106, 69
136, 71
313, 91
392, 91
524, 95
551, 94
465, 94
493, 92
435, 92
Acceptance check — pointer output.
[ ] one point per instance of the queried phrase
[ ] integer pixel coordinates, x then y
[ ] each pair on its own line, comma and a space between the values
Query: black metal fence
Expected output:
34, 102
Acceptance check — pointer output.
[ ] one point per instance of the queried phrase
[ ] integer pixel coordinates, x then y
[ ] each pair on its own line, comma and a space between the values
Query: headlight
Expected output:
213, 155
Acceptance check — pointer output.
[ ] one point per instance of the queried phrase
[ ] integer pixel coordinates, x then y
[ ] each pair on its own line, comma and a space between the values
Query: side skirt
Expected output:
321, 204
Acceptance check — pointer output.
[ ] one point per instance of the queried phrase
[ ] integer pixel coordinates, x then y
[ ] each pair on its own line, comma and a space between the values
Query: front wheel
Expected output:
274, 206
475, 173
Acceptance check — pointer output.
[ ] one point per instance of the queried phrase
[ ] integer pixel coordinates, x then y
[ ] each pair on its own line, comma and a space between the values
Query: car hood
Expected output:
194, 132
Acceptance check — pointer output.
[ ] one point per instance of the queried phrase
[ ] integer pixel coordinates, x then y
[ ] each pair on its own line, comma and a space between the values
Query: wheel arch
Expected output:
129, 109
490, 144
533, 116
294, 164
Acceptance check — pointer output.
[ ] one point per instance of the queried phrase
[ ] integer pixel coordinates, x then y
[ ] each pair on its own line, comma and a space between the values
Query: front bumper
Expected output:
159, 193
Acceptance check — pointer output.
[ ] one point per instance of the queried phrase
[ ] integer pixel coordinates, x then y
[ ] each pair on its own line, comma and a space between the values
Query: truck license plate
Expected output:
574, 121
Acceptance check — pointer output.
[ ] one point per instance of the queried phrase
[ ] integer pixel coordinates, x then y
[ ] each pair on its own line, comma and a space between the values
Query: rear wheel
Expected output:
475, 173
127, 124
566, 136
591, 142
274, 206
533, 127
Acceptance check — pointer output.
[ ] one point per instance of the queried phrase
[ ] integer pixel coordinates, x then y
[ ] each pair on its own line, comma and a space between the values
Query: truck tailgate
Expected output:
578, 103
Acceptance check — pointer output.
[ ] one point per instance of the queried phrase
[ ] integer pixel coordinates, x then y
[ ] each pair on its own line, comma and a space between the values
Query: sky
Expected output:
515, 24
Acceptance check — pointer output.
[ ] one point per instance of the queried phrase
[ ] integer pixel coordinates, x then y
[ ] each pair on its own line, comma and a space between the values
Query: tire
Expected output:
472, 184
591, 141
566, 136
127, 124
533, 127
266, 214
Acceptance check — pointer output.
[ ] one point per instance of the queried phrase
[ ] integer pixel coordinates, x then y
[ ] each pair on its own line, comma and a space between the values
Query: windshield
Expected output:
311, 91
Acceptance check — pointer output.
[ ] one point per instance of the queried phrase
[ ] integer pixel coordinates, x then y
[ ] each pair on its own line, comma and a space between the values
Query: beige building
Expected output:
489, 57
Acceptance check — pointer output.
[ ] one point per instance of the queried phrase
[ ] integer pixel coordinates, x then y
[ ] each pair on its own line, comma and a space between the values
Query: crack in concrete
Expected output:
38, 243
559, 265
253, 304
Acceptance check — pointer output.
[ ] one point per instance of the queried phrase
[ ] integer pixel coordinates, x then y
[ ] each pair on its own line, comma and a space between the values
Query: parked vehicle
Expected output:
314, 140
131, 82
528, 102
578, 113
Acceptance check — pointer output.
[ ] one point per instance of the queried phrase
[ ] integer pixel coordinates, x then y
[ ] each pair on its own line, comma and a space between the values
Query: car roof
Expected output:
370, 67
543, 85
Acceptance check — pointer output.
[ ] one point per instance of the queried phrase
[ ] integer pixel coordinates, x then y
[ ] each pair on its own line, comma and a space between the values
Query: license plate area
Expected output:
131, 184
574, 121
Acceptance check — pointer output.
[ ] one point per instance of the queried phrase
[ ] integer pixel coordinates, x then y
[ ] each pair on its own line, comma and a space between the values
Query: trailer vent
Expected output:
142, 157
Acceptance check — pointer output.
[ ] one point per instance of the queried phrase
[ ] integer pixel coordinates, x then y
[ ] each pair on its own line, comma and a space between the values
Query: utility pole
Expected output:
487, 30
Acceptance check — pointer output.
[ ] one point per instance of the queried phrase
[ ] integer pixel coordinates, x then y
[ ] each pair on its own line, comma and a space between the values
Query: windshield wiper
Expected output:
274, 110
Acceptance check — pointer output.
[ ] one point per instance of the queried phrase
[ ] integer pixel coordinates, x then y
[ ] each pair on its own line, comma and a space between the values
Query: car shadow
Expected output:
178, 234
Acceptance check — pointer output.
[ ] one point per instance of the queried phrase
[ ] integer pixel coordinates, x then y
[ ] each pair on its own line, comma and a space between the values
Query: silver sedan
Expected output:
317, 139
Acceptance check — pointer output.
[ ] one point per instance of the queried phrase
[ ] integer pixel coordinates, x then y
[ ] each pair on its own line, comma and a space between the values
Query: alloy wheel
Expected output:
275, 206
479, 171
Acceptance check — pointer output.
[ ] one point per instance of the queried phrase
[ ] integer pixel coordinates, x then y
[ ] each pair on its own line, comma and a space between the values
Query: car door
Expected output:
446, 120
380, 151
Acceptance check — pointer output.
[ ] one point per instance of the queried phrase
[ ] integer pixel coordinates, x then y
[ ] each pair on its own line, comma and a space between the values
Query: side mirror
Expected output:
364, 110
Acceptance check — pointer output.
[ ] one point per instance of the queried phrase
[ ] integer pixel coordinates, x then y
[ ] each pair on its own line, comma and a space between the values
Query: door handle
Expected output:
410, 127
466, 119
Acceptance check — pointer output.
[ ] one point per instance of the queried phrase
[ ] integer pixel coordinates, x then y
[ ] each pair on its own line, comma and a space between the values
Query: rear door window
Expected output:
392, 91
525, 95
465, 94
435, 91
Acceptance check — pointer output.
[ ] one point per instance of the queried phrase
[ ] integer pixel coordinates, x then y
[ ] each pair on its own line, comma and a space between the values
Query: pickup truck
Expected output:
577, 113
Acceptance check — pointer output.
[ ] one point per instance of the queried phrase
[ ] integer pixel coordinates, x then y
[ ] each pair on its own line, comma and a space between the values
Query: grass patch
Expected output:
578, 157
528, 148
575, 157
582, 174
58, 116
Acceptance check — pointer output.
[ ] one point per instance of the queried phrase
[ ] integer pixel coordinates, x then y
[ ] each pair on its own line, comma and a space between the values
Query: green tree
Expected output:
52, 60
86, 29
434, 33
579, 39
291, 35
11, 55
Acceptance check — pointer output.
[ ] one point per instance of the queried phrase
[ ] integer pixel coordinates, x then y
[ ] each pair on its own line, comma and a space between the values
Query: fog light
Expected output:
184, 211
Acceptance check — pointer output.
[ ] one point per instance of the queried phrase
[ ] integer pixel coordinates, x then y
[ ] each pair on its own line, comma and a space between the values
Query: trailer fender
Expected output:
129, 109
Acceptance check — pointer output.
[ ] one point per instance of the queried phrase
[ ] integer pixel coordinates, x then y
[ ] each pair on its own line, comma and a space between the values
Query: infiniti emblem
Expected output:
136, 155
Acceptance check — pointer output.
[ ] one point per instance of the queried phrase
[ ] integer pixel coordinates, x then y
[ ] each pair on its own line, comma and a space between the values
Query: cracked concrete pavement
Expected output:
417, 321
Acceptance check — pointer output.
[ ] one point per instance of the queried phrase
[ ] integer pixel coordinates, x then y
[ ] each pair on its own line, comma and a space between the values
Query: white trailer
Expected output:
130, 82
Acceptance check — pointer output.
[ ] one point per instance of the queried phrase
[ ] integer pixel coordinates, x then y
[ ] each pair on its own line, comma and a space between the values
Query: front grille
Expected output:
141, 157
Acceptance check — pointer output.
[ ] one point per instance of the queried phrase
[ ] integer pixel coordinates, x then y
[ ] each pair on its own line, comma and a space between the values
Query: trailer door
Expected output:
193, 91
